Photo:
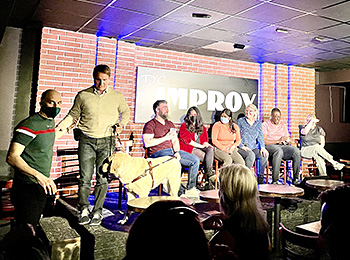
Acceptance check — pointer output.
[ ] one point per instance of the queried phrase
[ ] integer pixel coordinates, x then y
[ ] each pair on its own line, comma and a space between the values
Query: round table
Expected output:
140, 204
277, 192
209, 195
323, 184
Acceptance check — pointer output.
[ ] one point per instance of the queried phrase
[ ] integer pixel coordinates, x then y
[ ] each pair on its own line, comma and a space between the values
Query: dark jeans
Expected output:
285, 152
91, 153
250, 157
187, 159
29, 201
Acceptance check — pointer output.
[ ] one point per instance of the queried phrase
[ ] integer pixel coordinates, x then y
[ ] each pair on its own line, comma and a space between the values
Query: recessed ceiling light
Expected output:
320, 39
280, 30
198, 15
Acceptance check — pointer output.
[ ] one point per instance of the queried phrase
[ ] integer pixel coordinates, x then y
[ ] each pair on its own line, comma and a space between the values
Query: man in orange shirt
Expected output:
277, 141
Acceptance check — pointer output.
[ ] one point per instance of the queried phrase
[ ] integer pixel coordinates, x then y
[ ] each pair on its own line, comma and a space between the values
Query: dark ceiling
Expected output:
317, 32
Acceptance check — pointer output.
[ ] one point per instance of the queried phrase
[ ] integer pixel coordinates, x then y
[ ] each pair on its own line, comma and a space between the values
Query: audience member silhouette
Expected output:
23, 243
245, 229
167, 230
335, 226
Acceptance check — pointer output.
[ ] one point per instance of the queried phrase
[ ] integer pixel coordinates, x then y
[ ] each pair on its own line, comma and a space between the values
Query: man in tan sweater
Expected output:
96, 109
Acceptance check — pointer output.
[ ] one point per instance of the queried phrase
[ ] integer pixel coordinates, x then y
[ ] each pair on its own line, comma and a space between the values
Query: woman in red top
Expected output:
226, 137
194, 139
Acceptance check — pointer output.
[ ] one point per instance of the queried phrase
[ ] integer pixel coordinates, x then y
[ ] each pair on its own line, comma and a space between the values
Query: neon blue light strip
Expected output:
115, 63
97, 39
288, 99
260, 89
276, 85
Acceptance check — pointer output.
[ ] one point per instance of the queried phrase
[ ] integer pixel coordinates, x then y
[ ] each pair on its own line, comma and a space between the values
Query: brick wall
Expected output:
68, 58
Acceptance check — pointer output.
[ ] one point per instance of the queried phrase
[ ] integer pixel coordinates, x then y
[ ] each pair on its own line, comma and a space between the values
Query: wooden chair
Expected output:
7, 213
67, 183
294, 245
310, 164
284, 169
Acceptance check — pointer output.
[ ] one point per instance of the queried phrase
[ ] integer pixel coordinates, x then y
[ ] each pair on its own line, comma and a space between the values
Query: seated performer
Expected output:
159, 136
226, 137
252, 139
312, 145
194, 139
277, 141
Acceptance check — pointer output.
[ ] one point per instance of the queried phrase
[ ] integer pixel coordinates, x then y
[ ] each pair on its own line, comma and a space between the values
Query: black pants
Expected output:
29, 201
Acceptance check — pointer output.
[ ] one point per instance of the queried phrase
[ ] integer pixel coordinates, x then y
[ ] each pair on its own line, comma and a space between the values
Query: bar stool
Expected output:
284, 168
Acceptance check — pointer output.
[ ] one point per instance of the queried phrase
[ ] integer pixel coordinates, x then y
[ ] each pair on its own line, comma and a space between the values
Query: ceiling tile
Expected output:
184, 14
227, 6
338, 31
154, 7
151, 35
128, 17
271, 33
344, 50
239, 25
110, 29
211, 34
307, 5
165, 25
308, 51
333, 45
304, 39
330, 55
340, 12
278, 46
70, 6
308, 23
175, 47
58, 19
248, 39
192, 41
269, 13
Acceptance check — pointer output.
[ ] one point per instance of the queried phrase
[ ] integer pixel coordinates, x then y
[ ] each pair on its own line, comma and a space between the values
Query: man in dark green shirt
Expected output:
30, 154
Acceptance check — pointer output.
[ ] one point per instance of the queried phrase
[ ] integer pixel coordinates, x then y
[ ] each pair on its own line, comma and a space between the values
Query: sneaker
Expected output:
338, 166
83, 218
96, 219
192, 192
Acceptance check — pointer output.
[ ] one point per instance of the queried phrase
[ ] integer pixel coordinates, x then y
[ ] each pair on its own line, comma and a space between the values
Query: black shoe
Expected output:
205, 186
296, 182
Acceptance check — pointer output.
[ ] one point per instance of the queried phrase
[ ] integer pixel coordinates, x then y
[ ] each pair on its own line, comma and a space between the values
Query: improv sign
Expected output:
182, 90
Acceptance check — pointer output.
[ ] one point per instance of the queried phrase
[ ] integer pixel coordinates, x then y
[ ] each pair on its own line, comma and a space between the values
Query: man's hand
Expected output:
119, 128
177, 155
48, 184
245, 148
264, 152
171, 135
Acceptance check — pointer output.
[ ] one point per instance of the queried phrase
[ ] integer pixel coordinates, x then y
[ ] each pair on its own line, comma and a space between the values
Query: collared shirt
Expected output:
274, 132
98, 93
251, 135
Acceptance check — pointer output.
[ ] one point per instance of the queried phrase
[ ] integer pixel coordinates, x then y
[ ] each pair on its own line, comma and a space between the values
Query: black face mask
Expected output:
50, 112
